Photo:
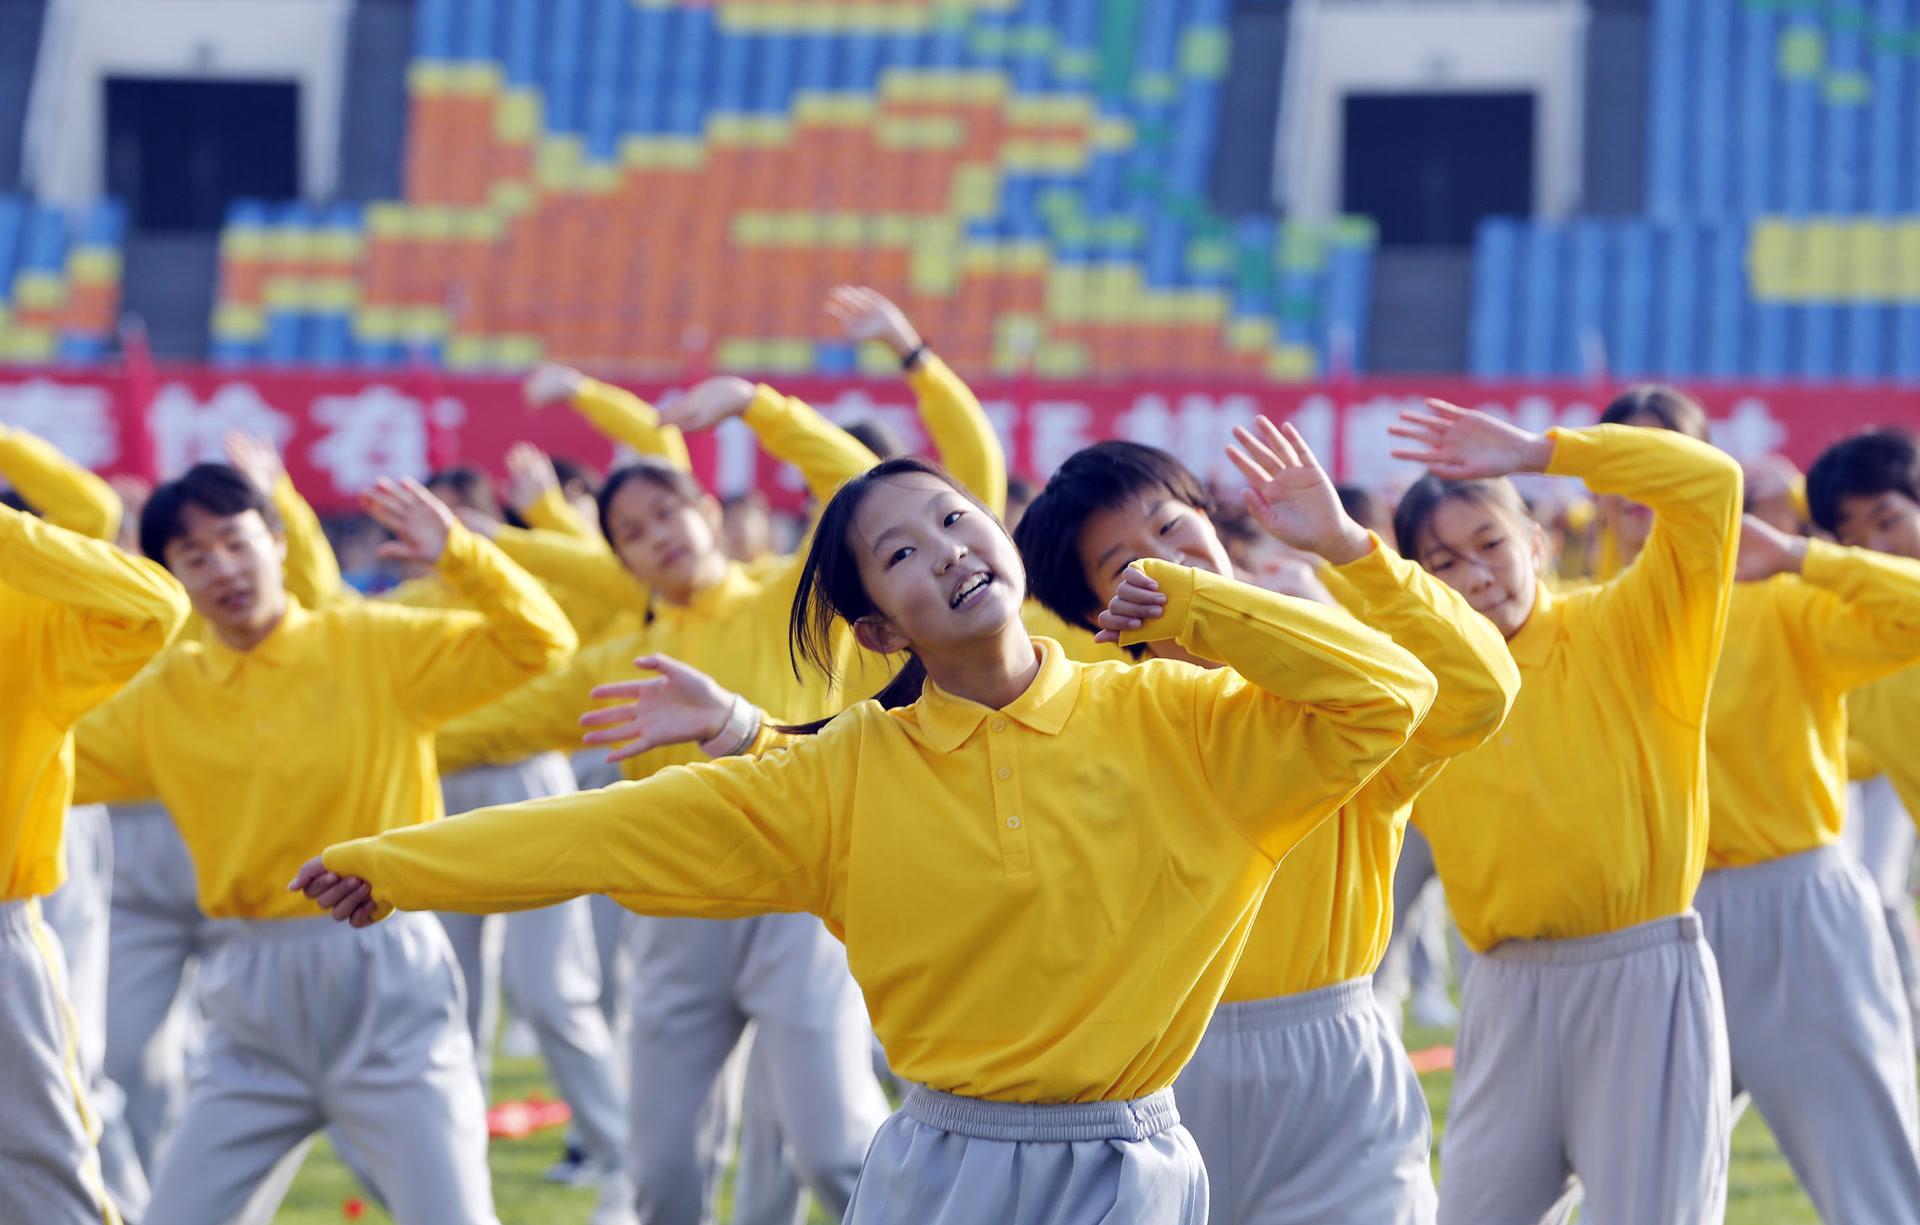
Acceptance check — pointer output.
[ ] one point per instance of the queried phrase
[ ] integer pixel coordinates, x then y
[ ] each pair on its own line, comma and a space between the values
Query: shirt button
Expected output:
1013, 822
1004, 773
999, 725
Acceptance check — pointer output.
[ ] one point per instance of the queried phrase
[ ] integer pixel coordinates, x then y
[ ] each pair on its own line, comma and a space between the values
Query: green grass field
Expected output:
1762, 1191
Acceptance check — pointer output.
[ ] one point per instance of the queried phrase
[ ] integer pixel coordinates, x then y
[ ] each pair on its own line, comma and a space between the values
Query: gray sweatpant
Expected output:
1818, 1028
49, 1167
311, 1024
156, 936
1881, 836
1602, 1058
1306, 1110
697, 984
946, 1160
80, 912
547, 964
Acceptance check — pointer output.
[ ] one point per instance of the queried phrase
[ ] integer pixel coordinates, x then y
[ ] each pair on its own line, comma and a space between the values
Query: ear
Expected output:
876, 634
709, 507
1537, 546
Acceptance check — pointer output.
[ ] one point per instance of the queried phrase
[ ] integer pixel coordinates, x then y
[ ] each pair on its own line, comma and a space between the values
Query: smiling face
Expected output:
666, 541
1483, 553
1149, 524
1887, 522
940, 571
231, 566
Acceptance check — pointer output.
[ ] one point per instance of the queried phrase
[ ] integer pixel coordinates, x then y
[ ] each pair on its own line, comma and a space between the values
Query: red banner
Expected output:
340, 430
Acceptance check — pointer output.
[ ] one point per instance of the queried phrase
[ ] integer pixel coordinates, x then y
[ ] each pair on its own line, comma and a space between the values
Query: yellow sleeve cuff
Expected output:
1574, 451
1178, 583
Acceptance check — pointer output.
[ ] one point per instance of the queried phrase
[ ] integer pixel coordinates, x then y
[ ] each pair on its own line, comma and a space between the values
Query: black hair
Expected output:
831, 590
469, 486
1096, 478
1360, 504
877, 437
218, 489
1429, 493
653, 471
1674, 409
1869, 463
1020, 489
573, 472
11, 497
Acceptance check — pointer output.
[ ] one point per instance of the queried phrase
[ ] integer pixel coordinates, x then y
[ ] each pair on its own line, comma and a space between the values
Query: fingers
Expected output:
1299, 443
348, 906
365, 915
1106, 636
1259, 451
624, 691
343, 888
1279, 442
309, 871
1255, 474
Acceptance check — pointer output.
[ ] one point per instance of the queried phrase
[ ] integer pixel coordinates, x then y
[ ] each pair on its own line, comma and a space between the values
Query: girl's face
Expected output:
1151, 524
665, 541
1886, 522
1486, 556
940, 571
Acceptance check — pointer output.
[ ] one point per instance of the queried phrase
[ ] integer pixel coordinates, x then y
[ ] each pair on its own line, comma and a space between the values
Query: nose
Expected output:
951, 557
222, 564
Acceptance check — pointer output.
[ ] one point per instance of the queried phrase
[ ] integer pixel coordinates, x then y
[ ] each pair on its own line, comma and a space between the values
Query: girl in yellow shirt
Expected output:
1039, 915
1592, 1036
1298, 1042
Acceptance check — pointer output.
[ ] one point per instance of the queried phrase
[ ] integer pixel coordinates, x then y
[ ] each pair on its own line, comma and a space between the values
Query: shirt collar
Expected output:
1044, 707
1534, 643
715, 601
276, 650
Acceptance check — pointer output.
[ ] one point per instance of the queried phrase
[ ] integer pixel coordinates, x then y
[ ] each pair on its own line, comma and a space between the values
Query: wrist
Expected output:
1796, 555
1353, 543
912, 357
736, 731
1537, 453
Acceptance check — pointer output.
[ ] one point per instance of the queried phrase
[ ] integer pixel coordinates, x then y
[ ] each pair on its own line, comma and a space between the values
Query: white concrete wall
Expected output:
1337, 47
88, 41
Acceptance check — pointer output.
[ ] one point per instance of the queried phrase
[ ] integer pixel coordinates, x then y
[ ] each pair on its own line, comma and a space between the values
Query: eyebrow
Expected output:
1153, 512
896, 529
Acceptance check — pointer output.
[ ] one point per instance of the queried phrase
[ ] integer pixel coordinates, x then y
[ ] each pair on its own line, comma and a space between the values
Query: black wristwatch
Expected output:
913, 356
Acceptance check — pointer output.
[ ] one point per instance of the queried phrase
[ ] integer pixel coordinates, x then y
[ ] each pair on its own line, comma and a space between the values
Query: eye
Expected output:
1169, 525
953, 517
1441, 566
900, 554
1494, 543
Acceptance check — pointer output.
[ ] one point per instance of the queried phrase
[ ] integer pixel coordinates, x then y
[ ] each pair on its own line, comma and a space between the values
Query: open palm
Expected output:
420, 522
1463, 444
707, 404
1290, 493
682, 705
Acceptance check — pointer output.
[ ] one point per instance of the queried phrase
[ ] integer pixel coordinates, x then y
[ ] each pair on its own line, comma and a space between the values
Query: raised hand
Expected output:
551, 383
478, 522
868, 315
707, 404
1765, 551
256, 458
681, 705
530, 476
420, 522
1138, 601
348, 898
1462, 444
1291, 494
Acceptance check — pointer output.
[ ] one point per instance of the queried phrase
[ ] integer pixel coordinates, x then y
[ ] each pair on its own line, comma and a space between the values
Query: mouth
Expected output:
235, 602
672, 557
970, 589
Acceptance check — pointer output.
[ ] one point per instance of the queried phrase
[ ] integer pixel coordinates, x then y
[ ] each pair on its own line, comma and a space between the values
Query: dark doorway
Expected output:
1428, 167
178, 152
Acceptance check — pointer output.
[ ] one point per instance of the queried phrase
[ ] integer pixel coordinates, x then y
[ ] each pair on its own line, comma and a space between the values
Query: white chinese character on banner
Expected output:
1059, 429
1196, 431
1749, 431
76, 418
188, 431
376, 432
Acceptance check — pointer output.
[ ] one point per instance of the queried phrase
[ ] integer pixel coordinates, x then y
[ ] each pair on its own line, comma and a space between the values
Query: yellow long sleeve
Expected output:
826, 455
540, 716
1051, 913
586, 567
65, 493
78, 620
312, 570
1883, 717
1588, 812
1353, 697
552, 512
1329, 913
626, 418
961, 432
1671, 603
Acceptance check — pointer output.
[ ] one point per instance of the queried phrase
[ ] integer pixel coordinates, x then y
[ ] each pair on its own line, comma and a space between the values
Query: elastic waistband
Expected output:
1351, 998
1801, 866
320, 927
1682, 928
1139, 1119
